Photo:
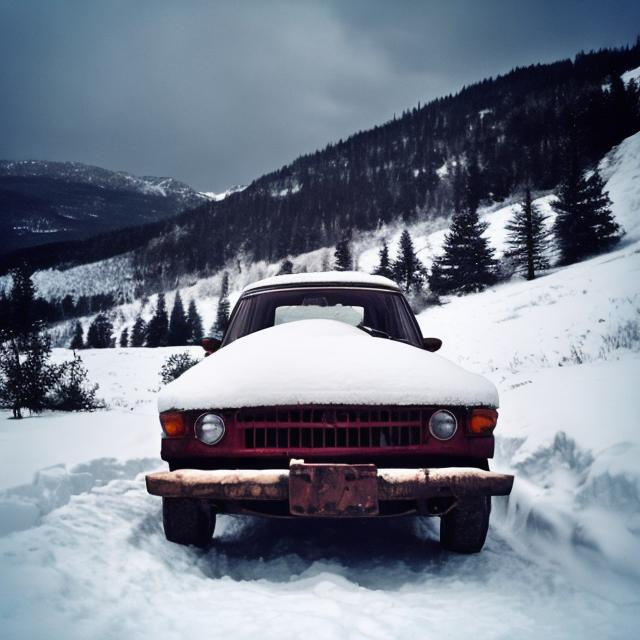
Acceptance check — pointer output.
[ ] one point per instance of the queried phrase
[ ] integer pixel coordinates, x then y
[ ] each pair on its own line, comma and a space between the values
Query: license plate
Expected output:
333, 490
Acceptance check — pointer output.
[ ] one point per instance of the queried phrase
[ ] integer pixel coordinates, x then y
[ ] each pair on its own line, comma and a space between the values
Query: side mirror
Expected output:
210, 345
431, 344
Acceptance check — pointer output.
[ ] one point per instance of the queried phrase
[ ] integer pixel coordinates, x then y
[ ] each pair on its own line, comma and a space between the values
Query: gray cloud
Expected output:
216, 93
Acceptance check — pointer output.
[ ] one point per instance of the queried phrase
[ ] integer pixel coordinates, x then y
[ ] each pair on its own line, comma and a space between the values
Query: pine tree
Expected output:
407, 269
584, 223
178, 326
38, 374
286, 267
139, 333
124, 337
467, 264
25, 373
194, 321
158, 327
528, 238
342, 256
224, 307
22, 312
100, 333
384, 265
70, 391
77, 342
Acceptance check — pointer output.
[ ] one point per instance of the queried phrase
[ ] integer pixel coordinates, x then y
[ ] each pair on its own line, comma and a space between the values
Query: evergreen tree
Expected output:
22, 304
158, 327
194, 321
124, 337
12, 377
25, 373
407, 269
467, 264
286, 267
100, 333
139, 333
178, 326
38, 374
528, 238
69, 392
342, 256
384, 265
77, 342
584, 223
224, 307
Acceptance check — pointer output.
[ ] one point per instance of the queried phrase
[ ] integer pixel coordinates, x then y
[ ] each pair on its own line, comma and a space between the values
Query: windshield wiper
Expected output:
376, 333
379, 333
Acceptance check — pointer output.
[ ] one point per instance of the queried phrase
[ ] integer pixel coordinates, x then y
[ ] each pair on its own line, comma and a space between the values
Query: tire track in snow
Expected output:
99, 566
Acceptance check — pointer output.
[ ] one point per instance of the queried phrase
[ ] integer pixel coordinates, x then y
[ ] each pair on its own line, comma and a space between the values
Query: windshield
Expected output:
383, 313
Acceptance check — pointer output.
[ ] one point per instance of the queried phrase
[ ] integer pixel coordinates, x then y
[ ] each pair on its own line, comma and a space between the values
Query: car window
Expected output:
381, 310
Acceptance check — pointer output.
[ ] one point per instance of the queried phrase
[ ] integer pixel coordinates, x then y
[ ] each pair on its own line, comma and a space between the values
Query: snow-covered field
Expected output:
82, 552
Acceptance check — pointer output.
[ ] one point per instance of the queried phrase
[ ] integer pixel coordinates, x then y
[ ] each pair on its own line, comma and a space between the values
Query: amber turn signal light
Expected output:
173, 424
483, 421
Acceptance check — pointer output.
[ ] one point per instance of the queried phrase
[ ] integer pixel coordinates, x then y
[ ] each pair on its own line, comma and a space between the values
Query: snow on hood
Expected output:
323, 362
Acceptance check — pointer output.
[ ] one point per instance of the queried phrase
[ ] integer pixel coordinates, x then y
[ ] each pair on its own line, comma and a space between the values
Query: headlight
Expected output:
209, 428
443, 425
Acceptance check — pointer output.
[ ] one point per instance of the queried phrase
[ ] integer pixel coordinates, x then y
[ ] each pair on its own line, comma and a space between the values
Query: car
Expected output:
324, 400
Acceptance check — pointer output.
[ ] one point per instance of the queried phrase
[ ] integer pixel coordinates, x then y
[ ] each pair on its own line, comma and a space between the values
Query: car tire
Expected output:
188, 521
464, 528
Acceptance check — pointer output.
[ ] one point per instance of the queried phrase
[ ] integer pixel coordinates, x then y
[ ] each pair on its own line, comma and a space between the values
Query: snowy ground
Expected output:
82, 552
81, 547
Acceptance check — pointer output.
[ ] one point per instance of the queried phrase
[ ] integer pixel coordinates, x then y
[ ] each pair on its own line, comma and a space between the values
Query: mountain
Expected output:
491, 137
42, 202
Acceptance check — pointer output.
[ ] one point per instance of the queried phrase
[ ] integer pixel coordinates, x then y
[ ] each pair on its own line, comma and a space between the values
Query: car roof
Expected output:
327, 278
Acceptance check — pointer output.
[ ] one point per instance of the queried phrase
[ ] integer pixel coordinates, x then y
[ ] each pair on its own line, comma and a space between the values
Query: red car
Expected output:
323, 400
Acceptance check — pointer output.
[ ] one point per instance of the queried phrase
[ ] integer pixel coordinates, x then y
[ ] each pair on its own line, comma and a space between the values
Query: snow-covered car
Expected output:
323, 399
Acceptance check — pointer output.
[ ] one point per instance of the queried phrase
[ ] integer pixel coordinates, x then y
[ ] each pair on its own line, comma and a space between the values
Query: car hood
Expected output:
323, 362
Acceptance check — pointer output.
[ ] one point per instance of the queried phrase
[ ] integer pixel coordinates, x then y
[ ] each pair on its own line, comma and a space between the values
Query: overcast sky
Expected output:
217, 93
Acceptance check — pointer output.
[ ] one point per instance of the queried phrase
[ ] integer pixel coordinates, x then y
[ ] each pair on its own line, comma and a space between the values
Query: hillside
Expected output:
44, 202
502, 132
620, 169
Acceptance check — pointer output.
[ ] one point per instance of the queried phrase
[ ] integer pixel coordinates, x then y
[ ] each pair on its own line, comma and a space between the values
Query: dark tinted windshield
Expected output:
382, 311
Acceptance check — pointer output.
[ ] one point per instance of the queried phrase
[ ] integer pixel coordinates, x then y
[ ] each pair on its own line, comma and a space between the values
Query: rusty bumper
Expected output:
329, 489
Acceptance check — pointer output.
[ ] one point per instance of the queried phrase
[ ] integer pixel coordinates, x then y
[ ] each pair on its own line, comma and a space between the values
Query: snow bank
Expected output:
23, 507
323, 362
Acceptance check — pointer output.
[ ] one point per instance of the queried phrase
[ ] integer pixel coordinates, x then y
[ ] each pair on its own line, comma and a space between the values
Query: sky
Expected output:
218, 93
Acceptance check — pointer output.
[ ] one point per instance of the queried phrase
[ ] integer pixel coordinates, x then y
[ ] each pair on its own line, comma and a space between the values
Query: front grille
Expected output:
331, 428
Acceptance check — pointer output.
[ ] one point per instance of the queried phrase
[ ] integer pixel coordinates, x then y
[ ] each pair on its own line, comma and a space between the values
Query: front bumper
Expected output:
329, 489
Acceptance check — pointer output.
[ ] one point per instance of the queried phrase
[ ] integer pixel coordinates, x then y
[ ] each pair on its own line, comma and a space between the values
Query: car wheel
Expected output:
464, 528
188, 521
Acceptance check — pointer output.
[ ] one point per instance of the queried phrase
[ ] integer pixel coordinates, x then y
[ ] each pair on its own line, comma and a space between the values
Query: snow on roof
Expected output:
323, 277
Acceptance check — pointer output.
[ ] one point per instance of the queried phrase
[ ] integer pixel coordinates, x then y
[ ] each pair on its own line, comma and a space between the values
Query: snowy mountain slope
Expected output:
58, 201
620, 169
218, 197
632, 74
